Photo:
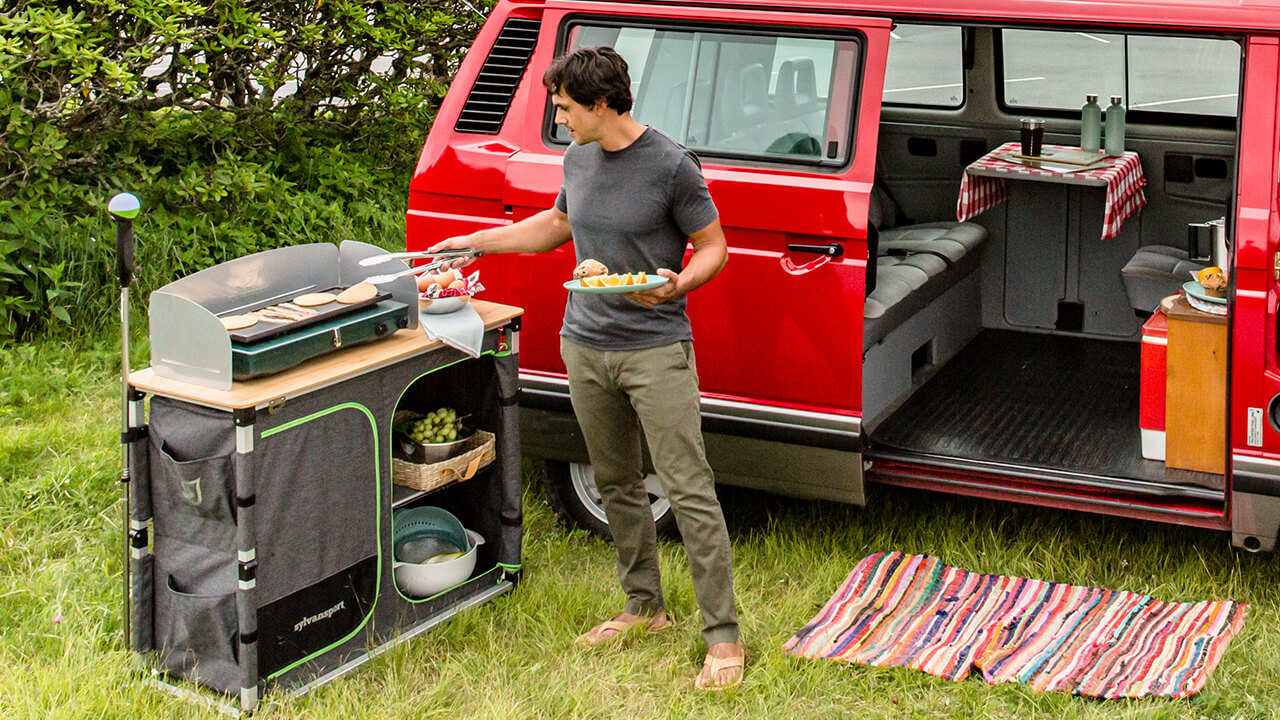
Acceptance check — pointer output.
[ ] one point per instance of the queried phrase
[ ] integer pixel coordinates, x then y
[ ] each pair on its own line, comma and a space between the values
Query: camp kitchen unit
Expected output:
261, 530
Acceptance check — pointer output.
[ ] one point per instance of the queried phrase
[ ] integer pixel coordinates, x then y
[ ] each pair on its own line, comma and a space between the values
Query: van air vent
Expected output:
495, 86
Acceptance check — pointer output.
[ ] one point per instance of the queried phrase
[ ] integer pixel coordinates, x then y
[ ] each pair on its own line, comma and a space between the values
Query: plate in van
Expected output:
653, 282
1196, 290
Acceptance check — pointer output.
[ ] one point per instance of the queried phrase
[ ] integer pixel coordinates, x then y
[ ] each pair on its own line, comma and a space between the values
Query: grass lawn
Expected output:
61, 656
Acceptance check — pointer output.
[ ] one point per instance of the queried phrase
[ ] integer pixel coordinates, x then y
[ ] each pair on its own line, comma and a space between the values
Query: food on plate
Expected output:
1211, 270
358, 293
1214, 284
615, 280
238, 322
589, 268
314, 299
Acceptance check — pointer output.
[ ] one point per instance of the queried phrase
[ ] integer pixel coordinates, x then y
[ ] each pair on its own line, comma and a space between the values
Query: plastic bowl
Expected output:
426, 523
423, 580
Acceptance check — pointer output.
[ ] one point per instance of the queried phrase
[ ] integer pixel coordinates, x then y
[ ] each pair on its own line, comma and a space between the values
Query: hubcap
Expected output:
583, 478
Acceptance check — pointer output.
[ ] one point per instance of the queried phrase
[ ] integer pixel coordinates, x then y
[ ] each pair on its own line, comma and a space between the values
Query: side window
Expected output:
775, 97
925, 67
1055, 70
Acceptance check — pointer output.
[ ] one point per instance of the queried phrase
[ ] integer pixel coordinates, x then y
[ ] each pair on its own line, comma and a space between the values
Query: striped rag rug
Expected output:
897, 610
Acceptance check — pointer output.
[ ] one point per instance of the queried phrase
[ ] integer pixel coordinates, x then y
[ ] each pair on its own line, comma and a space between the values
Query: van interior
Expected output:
1030, 362
1009, 343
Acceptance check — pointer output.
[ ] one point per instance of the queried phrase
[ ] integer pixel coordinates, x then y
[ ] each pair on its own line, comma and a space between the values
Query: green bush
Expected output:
242, 125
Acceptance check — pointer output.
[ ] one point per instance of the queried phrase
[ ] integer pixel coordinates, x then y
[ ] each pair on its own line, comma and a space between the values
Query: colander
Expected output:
424, 532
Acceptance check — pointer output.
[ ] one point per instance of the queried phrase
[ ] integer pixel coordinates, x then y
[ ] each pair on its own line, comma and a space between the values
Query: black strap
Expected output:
512, 519
509, 400
133, 434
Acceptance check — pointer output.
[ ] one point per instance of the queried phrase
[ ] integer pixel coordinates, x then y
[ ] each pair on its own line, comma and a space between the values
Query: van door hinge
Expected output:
1277, 266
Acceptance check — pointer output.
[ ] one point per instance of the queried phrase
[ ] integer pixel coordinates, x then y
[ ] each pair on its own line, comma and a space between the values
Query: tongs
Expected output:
383, 279
378, 259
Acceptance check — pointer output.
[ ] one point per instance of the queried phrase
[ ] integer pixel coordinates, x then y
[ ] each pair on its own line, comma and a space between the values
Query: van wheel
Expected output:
571, 490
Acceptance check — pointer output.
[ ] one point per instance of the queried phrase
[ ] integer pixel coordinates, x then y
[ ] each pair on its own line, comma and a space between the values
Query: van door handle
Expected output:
834, 250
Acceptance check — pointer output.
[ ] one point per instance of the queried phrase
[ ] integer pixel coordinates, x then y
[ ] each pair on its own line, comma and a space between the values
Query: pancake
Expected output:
358, 293
238, 322
314, 299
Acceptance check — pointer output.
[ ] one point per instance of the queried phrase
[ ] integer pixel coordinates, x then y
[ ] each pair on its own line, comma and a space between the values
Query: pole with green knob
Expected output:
124, 208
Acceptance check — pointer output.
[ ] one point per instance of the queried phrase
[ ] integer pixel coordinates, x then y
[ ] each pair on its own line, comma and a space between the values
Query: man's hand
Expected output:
665, 292
460, 242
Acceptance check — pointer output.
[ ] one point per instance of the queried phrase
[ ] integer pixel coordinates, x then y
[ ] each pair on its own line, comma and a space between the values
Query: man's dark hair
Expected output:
591, 74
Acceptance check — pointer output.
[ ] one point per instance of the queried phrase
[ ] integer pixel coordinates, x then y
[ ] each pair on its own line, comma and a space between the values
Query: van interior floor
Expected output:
1061, 404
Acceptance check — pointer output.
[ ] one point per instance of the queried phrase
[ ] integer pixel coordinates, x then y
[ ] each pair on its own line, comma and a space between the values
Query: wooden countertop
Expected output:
1178, 308
313, 373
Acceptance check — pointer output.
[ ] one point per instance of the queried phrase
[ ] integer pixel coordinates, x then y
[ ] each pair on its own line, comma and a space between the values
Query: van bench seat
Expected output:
1154, 273
915, 265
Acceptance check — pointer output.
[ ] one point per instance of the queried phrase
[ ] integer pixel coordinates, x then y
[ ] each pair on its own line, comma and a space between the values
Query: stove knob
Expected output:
380, 329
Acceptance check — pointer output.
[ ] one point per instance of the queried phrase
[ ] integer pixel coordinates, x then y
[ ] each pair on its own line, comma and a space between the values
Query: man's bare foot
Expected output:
619, 624
722, 667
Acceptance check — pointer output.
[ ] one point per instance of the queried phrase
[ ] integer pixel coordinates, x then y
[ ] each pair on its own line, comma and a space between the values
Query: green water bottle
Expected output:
1091, 125
1115, 127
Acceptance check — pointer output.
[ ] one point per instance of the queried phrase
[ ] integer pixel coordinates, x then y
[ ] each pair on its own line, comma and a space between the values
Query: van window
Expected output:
1055, 70
770, 97
925, 67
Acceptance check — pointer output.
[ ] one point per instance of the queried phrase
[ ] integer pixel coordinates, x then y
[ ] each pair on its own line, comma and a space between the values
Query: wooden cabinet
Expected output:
1196, 400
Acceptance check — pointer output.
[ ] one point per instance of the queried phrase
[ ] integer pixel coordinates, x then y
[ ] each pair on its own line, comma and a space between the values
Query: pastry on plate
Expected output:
589, 268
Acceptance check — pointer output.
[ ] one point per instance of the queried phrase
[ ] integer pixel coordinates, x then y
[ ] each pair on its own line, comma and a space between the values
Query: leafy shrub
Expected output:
241, 124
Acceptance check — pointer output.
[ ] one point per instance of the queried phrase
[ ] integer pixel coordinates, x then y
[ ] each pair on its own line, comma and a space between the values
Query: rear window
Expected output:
925, 66
1051, 70
777, 97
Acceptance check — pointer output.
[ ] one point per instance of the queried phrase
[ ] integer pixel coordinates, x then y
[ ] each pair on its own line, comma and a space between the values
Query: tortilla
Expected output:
238, 322
314, 299
357, 293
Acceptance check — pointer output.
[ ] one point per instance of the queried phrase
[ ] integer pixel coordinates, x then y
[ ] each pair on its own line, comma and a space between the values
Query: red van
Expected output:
908, 300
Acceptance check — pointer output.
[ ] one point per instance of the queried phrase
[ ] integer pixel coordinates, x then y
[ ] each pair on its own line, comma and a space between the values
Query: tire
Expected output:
571, 490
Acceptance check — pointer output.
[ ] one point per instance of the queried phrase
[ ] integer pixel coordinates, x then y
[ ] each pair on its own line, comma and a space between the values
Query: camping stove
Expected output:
190, 343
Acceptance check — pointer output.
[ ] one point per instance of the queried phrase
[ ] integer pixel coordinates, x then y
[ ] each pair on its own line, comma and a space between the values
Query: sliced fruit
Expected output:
642, 280
593, 281
611, 280
1211, 270
626, 280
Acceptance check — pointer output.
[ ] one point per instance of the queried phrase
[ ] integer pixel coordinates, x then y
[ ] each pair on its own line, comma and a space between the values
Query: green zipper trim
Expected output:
508, 567
402, 392
377, 469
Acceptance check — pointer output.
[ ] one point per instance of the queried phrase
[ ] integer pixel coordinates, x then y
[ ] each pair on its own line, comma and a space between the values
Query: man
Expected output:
633, 199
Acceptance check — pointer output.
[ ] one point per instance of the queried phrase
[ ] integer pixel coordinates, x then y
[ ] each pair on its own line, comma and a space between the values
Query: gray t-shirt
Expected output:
632, 210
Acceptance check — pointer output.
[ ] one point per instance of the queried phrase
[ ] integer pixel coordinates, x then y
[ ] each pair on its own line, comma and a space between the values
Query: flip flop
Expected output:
713, 667
593, 636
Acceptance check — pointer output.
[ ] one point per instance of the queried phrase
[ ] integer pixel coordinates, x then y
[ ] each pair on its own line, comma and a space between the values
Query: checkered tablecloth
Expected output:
1122, 176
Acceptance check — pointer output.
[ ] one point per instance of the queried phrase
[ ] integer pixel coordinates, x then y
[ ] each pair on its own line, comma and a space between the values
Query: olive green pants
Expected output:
616, 395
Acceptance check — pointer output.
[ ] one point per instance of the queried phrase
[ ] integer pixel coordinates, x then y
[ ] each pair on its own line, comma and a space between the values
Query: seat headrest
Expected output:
784, 95
806, 85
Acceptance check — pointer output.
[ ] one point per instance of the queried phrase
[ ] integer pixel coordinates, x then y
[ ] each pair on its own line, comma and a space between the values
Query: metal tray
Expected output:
268, 330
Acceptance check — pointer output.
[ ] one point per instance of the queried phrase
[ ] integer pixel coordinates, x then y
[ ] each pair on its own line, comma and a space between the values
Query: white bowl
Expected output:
442, 306
424, 580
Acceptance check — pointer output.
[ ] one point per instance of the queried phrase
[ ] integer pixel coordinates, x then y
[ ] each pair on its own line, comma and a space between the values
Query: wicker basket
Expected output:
477, 452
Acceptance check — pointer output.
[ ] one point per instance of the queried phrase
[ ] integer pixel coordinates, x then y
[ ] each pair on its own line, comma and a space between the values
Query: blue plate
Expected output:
655, 281
1196, 290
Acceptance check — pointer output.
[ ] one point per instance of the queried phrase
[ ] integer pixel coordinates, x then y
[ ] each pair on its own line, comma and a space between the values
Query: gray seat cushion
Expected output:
1154, 273
916, 264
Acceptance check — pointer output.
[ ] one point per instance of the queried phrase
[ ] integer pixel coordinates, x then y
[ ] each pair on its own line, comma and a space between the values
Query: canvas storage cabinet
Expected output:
261, 517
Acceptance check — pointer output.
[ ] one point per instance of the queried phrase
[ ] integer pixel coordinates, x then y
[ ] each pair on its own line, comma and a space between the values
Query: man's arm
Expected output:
544, 231
710, 253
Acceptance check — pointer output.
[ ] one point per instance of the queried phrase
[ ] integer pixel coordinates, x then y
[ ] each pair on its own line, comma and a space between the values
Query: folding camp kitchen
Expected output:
260, 527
